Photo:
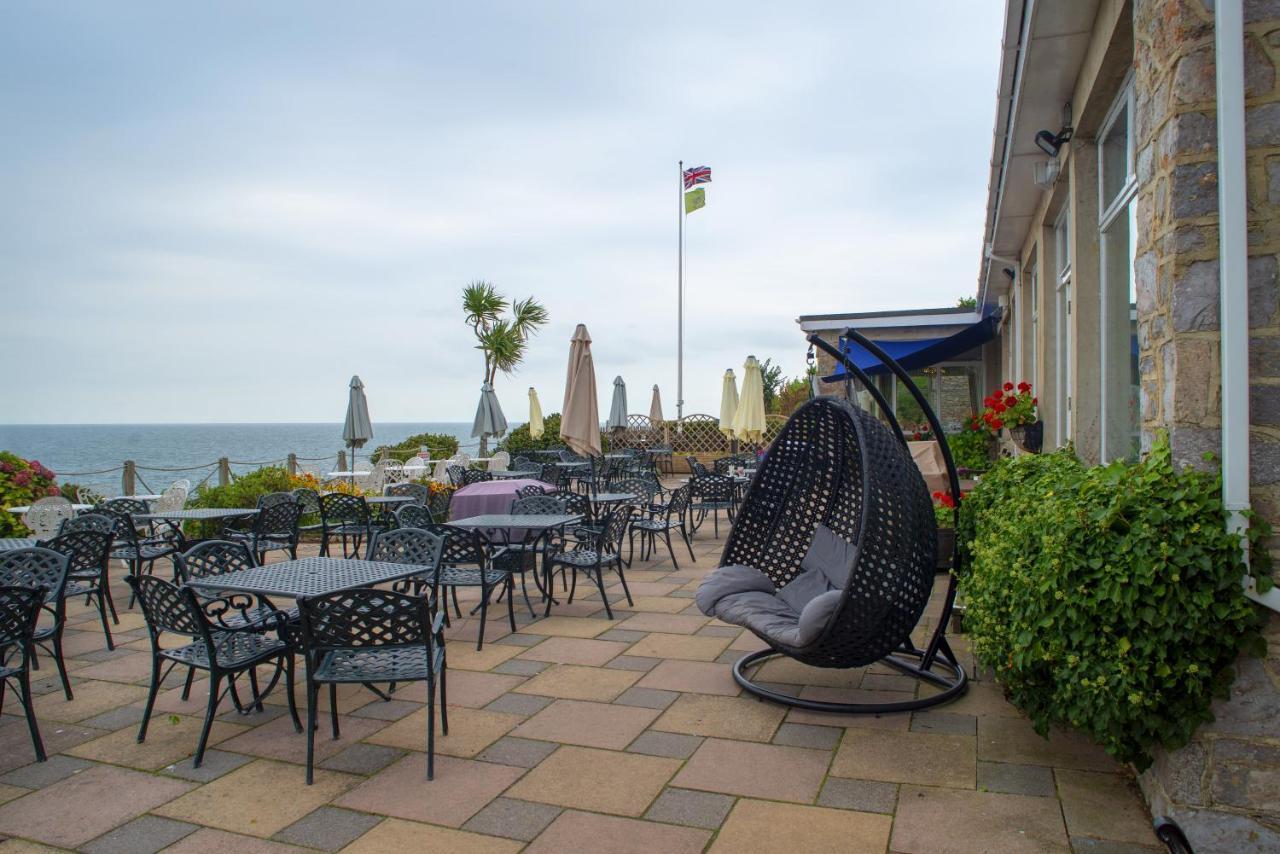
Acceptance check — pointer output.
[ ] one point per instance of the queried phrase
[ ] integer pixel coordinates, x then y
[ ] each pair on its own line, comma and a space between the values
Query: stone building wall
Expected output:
1223, 787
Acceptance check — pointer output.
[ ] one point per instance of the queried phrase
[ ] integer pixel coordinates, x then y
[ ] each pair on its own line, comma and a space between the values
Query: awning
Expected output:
922, 352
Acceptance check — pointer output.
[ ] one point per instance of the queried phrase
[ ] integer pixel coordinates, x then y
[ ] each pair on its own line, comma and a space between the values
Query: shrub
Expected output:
971, 449
1108, 598
244, 490
518, 441
21, 482
440, 445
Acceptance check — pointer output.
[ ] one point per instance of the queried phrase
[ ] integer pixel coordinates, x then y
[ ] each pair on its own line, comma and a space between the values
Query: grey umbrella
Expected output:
489, 418
357, 430
618, 409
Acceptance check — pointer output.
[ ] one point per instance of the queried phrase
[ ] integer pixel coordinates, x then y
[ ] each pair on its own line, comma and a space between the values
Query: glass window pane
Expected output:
1115, 157
909, 413
1121, 416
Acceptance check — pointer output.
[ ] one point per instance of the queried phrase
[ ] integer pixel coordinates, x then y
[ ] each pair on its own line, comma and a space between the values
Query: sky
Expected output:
220, 212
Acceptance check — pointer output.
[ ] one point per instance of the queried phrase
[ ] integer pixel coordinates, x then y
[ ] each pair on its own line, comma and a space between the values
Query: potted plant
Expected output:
944, 513
1013, 409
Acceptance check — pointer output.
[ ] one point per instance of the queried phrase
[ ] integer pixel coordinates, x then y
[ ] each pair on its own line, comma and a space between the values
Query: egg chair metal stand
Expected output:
837, 472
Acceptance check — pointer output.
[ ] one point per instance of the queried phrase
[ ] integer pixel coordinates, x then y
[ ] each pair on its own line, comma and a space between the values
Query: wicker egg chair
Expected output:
833, 553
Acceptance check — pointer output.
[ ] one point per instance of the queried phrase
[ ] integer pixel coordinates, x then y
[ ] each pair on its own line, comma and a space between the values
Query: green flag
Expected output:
694, 199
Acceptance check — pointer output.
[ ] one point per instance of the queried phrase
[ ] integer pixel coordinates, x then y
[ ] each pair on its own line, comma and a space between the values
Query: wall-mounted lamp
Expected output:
1011, 273
1049, 142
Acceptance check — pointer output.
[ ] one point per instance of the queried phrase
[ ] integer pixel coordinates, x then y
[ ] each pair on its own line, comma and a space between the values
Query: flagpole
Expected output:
680, 301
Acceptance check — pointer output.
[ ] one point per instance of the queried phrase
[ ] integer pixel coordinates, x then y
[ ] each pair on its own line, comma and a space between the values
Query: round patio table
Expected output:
489, 497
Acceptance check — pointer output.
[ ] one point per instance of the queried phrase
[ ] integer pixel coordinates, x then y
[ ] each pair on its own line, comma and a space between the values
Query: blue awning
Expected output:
922, 352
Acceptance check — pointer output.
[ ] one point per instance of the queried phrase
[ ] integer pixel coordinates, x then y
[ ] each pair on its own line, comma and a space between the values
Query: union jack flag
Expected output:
697, 175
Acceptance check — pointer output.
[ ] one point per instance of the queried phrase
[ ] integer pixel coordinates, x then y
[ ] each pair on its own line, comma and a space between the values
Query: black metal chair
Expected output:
525, 546
470, 476
47, 569
672, 516
139, 555
347, 517
603, 550
228, 638
274, 528
411, 545
725, 465
457, 475
132, 506
438, 504
368, 636
89, 552
413, 516
419, 492
696, 468
712, 494
101, 522
832, 558
467, 561
219, 557
19, 615
530, 490
309, 503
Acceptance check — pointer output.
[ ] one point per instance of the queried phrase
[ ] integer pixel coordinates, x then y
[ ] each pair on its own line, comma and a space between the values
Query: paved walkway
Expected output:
573, 734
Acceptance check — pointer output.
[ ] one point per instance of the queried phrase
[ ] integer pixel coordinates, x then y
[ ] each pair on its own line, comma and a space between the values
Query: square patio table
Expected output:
507, 475
23, 508
581, 465
612, 497
509, 521
199, 514
8, 544
389, 499
308, 576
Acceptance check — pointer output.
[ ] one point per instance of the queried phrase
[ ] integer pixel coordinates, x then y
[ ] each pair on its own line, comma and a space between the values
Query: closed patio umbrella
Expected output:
618, 409
655, 408
536, 427
357, 429
580, 415
489, 418
748, 422
728, 403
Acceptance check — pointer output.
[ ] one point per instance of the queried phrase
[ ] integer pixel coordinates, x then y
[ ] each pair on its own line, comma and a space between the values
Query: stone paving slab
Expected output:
573, 733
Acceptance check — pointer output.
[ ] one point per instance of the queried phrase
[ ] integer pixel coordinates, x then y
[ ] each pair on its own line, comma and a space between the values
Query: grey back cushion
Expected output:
826, 566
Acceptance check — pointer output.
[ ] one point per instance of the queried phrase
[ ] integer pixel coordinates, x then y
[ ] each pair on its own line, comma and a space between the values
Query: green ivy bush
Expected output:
518, 441
440, 444
21, 483
1108, 598
971, 449
245, 489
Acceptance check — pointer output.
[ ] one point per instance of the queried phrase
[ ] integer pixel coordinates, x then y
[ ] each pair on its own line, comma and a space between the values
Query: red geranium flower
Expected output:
1034, 401
997, 423
999, 407
1008, 386
1024, 386
1010, 401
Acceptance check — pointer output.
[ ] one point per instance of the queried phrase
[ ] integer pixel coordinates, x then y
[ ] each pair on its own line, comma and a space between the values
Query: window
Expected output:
1033, 291
1117, 185
953, 389
1062, 325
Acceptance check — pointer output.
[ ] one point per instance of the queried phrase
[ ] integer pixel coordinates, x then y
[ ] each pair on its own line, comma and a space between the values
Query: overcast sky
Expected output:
219, 212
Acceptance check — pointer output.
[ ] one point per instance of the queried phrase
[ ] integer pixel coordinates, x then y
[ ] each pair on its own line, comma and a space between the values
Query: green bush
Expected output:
21, 483
971, 449
1107, 598
440, 444
244, 490
518, 441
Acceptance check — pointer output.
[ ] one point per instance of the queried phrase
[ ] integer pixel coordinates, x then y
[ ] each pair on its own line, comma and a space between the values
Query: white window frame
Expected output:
1033, 313
1062, 317
1109, 211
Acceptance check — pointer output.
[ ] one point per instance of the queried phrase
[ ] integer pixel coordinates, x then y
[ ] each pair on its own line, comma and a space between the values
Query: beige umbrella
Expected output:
748, 421
536, 427
728, 403
655, 408
580, 416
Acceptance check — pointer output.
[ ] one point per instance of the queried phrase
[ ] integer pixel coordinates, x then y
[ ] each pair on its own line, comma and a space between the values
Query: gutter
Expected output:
1233, 259
1024, 25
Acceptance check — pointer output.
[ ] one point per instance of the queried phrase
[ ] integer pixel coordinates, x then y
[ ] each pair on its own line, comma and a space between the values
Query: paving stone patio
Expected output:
575, 733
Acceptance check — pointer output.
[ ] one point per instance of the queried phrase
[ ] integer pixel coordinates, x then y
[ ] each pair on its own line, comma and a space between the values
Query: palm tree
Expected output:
502, 328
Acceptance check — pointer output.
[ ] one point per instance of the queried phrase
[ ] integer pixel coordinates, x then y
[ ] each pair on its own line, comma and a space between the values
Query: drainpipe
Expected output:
1233, 258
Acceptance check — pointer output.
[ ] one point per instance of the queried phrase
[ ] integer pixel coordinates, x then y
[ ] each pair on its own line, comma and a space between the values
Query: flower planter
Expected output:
1028, 437
946, 547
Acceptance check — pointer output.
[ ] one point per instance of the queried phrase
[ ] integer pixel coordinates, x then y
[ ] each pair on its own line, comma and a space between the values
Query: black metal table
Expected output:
307, 576
199, 514
389, 499
9, 544
612, 497
511, 475
516, 527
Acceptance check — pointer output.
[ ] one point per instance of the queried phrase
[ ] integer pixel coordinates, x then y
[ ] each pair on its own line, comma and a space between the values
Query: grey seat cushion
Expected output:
797, 613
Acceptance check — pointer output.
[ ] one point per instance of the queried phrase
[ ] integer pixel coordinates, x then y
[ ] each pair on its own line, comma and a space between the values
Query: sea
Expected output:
92, 454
